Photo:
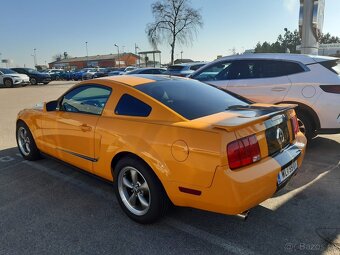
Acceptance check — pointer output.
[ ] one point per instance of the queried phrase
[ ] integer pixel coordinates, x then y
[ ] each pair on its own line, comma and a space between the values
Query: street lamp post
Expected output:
136, 47
118, 55
87, 53
181, 56
35, 57
0, 58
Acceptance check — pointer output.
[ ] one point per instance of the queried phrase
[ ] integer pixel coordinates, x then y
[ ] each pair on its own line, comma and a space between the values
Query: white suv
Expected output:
311, 82
10, 78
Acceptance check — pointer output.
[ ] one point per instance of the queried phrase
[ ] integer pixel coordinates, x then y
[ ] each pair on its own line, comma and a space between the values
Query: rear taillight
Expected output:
295, 124
243, 152
331, 88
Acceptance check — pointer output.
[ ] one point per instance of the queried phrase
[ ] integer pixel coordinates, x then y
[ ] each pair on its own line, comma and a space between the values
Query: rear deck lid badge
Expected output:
280, 137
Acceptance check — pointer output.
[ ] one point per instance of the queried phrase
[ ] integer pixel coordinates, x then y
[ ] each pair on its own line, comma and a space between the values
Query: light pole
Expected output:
87, 53
136, 47
35, 56
0, 58
181, 56
118, 55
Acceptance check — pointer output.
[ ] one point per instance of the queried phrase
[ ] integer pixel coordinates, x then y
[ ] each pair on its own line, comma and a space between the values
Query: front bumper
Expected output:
233, 192
21, 81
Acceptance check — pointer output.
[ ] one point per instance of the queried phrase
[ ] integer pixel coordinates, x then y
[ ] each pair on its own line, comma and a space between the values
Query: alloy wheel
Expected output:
134, 190
24, 141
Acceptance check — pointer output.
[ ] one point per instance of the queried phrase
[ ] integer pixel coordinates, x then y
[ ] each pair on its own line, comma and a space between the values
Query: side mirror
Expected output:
51, 106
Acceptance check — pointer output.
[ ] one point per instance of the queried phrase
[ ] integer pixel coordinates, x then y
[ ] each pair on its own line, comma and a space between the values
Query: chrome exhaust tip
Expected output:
243, 216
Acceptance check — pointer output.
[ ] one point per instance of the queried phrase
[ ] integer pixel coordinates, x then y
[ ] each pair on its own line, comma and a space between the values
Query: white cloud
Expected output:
291, 5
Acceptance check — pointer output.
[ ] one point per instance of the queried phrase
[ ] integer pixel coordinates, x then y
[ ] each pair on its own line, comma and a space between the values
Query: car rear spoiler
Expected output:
262, 114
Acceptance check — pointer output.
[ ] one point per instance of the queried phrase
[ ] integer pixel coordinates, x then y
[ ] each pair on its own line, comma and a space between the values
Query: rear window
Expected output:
189, 98
175, 68
332, 65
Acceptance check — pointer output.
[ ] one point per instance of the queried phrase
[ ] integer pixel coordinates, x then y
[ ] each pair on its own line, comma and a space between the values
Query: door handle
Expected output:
278, 89
85, 128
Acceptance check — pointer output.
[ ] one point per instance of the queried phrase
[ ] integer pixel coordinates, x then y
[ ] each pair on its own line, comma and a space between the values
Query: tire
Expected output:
306, 124
26, 144
45, 83
139, 192
8, 83
33, 81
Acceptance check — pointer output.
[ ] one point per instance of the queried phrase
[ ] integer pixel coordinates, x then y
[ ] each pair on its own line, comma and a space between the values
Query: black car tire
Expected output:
154, 193
30, 152
33, 81
8, 83
45, 83
306, 124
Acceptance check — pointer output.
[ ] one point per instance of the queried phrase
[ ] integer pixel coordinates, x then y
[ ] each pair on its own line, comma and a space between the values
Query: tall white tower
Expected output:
311, 24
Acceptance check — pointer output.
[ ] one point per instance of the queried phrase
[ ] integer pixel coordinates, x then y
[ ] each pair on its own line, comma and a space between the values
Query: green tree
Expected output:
290, 40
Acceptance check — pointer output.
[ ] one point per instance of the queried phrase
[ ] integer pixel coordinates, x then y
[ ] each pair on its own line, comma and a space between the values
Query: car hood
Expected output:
22, 76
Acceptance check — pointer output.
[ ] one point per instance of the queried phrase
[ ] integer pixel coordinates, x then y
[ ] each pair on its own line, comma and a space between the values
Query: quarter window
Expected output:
131, 106
89, 99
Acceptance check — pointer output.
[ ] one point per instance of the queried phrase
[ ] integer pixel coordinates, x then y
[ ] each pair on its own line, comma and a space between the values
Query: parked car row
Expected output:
22, 77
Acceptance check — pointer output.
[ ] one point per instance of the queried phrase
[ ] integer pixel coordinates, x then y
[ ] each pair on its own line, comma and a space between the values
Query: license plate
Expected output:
286, 172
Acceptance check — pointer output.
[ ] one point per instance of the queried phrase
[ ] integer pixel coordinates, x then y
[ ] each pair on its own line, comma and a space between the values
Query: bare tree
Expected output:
175, 21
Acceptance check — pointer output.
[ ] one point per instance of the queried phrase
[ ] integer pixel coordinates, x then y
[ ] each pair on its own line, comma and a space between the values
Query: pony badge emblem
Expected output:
280, 137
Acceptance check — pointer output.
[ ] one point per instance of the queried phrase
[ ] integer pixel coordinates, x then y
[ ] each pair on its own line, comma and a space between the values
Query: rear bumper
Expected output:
327, 108
233, 192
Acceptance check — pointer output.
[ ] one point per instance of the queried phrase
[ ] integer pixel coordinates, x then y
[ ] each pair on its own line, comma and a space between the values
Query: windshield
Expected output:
175, 68
30, 70
189, 98
7, 71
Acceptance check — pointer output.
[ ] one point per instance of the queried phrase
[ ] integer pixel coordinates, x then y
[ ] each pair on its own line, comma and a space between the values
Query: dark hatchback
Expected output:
35, 76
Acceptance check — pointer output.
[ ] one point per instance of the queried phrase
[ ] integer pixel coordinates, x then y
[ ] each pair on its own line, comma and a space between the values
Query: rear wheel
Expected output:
8, 83
306, 124
26, 143
139, 192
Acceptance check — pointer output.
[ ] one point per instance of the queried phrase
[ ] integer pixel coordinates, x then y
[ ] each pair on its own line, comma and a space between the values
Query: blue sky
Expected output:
55, 26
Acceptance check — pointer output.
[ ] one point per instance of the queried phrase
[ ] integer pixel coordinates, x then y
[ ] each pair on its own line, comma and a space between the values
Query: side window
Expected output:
292, 68
89, 99
244, 69
218, 71
277, 68
131, 106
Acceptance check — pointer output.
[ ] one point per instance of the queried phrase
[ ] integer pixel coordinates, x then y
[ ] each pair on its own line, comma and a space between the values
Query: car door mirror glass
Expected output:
52, 106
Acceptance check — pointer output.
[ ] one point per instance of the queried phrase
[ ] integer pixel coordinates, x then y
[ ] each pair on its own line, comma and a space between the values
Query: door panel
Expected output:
70, 137
265, 90
69, 130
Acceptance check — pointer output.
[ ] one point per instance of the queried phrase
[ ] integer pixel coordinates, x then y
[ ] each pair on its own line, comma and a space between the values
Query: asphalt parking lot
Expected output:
49, 208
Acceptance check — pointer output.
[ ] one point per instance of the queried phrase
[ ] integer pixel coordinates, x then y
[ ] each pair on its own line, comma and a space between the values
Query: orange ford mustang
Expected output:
165, 139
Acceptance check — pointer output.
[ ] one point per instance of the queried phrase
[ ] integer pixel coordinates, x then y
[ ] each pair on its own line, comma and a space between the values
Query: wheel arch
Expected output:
305, 108
123, 154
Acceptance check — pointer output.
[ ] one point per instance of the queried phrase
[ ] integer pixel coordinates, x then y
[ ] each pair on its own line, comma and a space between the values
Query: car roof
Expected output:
135, 79
191, 64
304, 59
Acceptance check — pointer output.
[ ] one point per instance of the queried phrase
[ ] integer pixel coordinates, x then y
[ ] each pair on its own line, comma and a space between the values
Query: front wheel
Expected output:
26, 143
8, 83
33, 81
139, 192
